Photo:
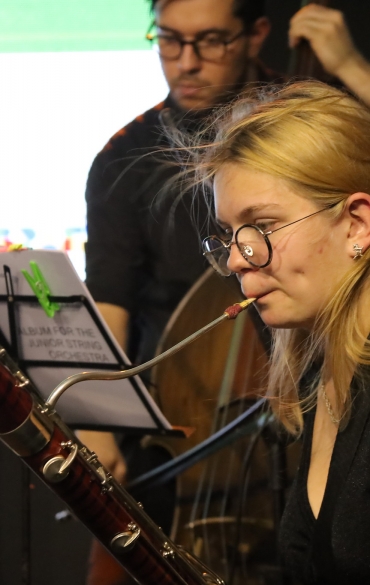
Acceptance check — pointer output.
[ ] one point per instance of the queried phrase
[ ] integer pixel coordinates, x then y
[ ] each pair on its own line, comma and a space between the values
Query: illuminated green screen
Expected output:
73, 25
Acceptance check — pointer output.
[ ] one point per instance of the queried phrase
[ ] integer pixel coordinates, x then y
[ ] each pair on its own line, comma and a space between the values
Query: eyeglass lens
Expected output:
171, 47
251, 244
217, 255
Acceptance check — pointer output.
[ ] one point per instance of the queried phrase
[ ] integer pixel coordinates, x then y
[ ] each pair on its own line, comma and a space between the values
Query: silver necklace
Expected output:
329, 407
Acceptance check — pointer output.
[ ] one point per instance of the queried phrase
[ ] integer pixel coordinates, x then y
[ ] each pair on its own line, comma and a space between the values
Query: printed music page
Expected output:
74, 339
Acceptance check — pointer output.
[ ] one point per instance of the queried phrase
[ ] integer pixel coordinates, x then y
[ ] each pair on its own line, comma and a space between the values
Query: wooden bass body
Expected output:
75, 474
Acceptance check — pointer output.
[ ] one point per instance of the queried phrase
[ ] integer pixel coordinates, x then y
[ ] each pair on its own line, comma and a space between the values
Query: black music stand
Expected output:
70, 339
74, 339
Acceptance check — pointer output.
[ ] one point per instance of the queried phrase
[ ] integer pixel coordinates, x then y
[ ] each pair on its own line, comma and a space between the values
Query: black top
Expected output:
144, 248
335, 548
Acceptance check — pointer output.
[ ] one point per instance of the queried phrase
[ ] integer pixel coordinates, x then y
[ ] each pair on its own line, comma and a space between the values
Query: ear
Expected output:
260, 31
358, 215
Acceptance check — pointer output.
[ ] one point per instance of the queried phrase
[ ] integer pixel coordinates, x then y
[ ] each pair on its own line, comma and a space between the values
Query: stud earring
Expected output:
358, 250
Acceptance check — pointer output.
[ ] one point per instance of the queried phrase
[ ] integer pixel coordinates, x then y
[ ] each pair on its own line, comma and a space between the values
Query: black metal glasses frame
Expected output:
195, 43
227, 245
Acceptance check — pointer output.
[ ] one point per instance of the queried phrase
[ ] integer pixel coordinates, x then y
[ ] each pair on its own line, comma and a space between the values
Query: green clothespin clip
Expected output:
41, 289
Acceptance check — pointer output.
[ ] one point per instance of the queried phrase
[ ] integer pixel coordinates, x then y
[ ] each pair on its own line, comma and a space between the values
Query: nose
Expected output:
236, 263
189, 61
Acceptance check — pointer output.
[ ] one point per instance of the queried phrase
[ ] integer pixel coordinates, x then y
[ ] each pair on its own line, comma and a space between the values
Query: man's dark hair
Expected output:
247, 10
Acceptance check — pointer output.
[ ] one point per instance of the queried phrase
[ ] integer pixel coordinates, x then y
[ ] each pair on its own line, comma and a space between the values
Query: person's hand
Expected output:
106, 448
326, 31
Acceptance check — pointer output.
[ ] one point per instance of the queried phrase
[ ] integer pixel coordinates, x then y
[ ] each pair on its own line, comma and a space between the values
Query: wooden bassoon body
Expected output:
44, 442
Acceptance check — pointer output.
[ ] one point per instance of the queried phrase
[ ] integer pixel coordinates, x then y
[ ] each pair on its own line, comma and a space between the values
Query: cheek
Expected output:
299, 253
169, 69
238, 63
235, 72
229, 72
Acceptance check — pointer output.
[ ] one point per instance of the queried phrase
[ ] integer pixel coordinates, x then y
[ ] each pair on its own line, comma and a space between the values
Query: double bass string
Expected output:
230, 376
243, 477
242, 497
221, 417
222, 402
209, 472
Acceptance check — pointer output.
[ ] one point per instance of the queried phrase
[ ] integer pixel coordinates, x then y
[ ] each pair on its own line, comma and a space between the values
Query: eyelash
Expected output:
226, 234
264, 225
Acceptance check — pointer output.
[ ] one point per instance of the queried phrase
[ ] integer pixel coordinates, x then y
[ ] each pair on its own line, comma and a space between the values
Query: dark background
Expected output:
58, 551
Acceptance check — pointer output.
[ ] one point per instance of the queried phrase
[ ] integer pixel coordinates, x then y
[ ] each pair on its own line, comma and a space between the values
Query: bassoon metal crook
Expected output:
229, 313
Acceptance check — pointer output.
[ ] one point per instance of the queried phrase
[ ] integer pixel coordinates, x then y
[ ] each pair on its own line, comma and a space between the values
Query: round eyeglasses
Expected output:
252, 242
207, 46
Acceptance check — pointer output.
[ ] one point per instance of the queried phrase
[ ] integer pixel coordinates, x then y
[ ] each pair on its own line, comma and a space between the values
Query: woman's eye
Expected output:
267, 225
228, 236
264, 225
224, 233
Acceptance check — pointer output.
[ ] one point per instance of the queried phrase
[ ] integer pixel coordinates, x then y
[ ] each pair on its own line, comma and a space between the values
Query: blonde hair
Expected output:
317, 139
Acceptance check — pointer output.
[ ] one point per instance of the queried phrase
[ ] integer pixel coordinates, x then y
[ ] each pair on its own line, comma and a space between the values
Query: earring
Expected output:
358, 250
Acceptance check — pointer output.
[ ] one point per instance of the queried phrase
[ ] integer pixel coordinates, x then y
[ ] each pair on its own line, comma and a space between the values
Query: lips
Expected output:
252, 287
258, 296
187, 90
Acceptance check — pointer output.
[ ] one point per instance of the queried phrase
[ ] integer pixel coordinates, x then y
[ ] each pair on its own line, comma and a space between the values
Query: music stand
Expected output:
51, 327
74, 339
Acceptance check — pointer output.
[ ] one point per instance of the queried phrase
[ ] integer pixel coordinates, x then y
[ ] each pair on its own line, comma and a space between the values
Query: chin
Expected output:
278, 322
188, 105
276, 319
193, 102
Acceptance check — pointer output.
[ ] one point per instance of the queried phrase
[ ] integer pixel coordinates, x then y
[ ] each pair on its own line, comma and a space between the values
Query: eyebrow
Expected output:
245, 213
220, 31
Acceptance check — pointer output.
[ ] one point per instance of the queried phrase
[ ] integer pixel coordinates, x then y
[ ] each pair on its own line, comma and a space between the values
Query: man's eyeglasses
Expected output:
208, 46
252, 242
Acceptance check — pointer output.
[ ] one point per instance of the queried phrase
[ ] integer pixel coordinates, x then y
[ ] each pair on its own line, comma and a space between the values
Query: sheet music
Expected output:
69, 338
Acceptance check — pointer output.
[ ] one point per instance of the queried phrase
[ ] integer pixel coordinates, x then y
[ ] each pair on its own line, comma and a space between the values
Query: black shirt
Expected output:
144, 246
333, 549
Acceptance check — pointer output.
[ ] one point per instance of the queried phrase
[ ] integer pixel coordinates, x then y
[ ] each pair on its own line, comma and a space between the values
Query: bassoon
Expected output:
32, 428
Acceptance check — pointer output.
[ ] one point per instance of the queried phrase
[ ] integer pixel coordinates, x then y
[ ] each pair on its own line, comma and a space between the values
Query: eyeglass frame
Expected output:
150, 37
227, 245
